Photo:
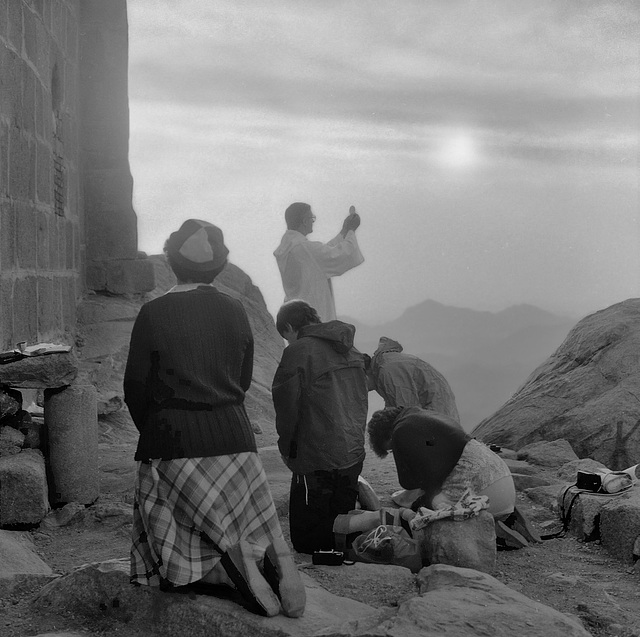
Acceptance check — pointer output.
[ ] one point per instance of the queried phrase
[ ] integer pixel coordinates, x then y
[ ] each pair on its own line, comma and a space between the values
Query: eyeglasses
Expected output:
312, 217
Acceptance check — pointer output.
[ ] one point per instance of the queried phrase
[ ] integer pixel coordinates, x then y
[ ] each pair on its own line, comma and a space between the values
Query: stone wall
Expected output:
40, 202
67, 223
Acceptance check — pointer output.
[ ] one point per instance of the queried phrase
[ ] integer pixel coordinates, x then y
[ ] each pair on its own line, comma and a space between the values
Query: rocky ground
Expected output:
570, 576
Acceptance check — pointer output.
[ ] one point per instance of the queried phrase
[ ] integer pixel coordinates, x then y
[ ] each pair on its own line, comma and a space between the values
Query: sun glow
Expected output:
458, 151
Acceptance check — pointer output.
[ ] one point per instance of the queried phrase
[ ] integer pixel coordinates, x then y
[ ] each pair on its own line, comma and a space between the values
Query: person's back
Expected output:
404, 380
320, 397
198, 346
332, 419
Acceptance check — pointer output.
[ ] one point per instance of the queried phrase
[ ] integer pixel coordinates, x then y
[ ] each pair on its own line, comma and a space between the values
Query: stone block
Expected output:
18, 556
40, 372
21, 166
57, 301
584, 510
43, 174
520, 466
4, 157
11, 441
466, 603
467, 543
548, 454
523, 482
69, 248
54, 255
569, 472
31, 428
23, 488
10, 83
27, 118
26, 235
6, 314
130, 276
3, 18
112, 231
69, 302
8, 256
46, 308
620, 525
96, 275
25, 311
42, 240
9, 404
43, 44
71, 419
545, 496
29, 35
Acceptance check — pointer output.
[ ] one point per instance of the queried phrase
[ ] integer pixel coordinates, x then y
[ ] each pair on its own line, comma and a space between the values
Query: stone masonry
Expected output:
67, 223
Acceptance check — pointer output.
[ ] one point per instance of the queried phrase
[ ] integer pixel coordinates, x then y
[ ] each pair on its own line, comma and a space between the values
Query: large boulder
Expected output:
23, 488
102, 591
105, 325
585, 393
464, 602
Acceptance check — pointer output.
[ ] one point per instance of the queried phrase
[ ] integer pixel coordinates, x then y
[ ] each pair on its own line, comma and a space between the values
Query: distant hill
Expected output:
485, 356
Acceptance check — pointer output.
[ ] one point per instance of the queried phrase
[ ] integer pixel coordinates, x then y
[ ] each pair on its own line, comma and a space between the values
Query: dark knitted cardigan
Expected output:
190, 363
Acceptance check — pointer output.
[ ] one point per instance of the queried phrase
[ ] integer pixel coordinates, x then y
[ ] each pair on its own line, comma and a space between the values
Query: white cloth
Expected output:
306, 268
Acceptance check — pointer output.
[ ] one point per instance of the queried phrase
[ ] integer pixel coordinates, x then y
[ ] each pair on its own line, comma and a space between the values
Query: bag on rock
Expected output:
604, 481
387, 544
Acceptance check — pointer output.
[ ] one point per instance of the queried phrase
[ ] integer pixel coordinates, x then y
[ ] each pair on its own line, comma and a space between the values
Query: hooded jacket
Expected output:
320, 398
404, 380
306, 268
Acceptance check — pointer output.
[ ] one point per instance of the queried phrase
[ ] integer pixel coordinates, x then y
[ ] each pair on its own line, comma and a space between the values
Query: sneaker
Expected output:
282, 574
241, 564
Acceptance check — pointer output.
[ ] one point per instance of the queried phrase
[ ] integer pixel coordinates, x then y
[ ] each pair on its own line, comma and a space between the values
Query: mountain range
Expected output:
485, 356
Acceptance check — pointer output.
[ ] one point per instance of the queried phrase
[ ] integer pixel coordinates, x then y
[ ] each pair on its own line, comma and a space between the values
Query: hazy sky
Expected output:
491, 147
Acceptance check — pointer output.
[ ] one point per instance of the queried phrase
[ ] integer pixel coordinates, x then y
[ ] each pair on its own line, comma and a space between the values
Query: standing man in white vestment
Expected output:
307, 266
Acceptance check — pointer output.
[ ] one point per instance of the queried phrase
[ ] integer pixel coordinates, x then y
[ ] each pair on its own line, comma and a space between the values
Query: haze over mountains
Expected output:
484, 356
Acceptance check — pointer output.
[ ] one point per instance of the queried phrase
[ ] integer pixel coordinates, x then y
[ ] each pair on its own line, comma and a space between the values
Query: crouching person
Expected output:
320, 398
433, 453
203, 512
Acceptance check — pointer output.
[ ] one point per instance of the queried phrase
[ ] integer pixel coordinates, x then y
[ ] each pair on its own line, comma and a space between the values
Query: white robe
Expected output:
307, 266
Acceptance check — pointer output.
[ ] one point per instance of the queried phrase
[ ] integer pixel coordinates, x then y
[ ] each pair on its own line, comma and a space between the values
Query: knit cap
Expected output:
198, 245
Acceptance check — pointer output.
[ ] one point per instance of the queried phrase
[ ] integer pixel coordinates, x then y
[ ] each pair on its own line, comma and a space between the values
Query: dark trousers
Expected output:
315, 500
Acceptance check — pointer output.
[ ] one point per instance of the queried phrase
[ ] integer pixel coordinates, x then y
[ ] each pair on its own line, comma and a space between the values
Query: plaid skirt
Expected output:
189, 511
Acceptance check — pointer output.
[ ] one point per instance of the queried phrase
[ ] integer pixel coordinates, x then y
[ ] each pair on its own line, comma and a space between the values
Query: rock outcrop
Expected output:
587, 393
452, 601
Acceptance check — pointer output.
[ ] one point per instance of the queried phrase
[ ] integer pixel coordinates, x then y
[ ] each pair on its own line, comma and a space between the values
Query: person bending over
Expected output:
320, 398
433, 453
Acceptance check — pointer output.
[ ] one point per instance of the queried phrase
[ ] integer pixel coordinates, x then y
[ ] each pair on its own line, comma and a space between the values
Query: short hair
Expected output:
296, 314
294, 215
187, 275
380, 429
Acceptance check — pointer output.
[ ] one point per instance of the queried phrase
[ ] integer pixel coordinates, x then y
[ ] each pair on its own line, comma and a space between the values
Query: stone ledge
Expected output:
121, 276
40, 372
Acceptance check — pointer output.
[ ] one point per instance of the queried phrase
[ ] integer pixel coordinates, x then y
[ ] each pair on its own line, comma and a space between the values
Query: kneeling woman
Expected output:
203, 512
434, 454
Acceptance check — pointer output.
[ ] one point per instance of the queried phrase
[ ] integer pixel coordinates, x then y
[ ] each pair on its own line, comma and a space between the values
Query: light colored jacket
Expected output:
404, 380
307, 266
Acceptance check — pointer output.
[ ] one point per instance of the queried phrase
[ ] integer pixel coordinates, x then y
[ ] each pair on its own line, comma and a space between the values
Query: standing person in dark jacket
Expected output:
320, 397
203, 512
